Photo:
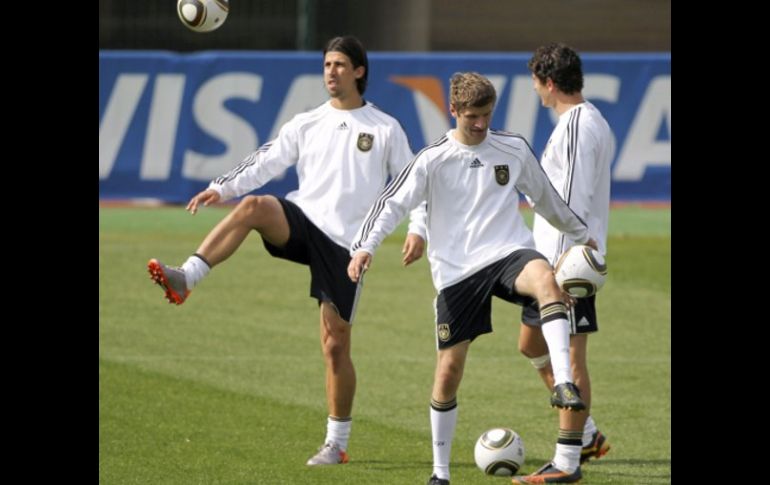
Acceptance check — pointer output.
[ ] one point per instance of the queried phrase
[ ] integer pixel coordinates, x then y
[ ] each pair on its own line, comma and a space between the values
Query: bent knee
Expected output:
548, 290
250, 202
258, 210
449, 372
249, 207
544, 283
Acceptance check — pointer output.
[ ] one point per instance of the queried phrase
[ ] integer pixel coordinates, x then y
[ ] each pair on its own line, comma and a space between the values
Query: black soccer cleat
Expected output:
596, 449
434, 480
567, 396
548, 473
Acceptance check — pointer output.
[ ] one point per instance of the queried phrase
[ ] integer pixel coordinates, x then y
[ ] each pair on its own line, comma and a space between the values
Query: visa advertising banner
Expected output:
169, 123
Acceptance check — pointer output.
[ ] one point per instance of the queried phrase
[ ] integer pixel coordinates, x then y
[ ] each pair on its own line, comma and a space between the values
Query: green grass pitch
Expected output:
229, 387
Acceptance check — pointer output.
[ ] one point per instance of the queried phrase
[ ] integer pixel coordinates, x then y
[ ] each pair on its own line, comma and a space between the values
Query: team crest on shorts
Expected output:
365, 141
443, 332
501, 174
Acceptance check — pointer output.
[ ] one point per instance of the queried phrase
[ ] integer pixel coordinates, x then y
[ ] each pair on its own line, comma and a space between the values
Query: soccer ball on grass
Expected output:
499, 451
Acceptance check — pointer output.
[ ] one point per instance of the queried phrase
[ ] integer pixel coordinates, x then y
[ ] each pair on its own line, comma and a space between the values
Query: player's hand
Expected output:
413, 248
592, 243
208, 196
568, 299
359, 263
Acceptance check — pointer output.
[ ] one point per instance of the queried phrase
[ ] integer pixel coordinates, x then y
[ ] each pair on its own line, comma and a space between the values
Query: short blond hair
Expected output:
470, 90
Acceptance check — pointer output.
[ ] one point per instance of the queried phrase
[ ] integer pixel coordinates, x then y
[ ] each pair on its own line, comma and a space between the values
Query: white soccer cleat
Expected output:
171, 279
328, 454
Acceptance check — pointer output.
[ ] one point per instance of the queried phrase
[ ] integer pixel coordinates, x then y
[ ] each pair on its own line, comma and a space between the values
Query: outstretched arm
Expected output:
260, 166
547, 202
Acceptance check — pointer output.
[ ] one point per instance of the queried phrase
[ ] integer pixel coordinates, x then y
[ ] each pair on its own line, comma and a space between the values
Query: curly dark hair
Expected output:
354, 49
559, 63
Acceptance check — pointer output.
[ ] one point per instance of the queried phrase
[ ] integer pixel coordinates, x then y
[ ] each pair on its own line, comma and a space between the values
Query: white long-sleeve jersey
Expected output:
473, 204
343, 159
577, 160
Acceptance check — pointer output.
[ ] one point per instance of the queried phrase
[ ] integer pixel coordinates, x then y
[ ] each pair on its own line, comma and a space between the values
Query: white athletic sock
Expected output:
556, 333
338, 431
588, 431
194, 270
442, 427
567, 457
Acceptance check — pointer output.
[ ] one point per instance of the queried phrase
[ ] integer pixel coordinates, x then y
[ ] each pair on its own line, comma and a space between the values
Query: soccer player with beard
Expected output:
344, 151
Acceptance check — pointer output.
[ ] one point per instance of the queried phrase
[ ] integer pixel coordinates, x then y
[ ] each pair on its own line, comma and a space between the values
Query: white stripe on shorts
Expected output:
359, 289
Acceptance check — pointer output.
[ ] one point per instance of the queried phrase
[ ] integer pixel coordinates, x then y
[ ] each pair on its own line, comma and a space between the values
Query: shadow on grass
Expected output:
644, 476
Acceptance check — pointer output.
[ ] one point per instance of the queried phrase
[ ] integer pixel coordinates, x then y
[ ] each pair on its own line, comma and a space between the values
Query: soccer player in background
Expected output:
479, 245
344, 151
577, 161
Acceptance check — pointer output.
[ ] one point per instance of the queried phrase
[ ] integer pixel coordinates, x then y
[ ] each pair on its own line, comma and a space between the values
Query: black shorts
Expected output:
328, 261
582, 316
464, 310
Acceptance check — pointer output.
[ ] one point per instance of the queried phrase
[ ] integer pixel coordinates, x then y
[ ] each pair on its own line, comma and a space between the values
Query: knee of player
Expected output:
335, 349
249, 205
449, 372
254, 210
546, 288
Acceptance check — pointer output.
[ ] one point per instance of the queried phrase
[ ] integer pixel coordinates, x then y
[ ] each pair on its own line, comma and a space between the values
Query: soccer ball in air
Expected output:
581, 271
499, 451
202, 15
